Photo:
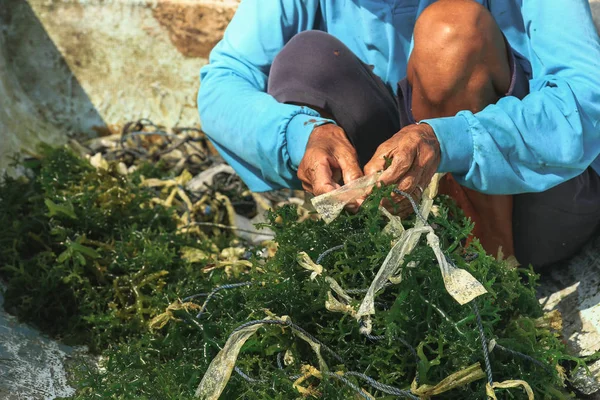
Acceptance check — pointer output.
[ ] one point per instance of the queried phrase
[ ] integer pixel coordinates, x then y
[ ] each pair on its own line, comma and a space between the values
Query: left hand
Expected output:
415, 156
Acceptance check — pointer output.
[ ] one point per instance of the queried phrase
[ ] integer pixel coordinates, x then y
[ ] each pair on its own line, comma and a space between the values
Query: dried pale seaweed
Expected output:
97, 256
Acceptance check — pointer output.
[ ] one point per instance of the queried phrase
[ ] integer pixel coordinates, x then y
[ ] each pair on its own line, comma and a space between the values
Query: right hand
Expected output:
329, 155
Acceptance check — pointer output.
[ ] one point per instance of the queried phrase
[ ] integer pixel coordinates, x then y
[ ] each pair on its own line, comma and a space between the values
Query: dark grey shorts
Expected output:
318, 70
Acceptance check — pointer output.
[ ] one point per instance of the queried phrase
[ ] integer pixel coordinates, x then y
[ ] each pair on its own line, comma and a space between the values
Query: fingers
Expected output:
316, 174
415, 156
398, 169
329, 158
412, 183
376, 164
348, 163
402, 153
321, 177
399, 204
350, 171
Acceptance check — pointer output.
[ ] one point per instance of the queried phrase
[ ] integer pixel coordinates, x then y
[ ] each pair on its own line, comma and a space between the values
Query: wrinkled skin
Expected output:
329, 156
413, 155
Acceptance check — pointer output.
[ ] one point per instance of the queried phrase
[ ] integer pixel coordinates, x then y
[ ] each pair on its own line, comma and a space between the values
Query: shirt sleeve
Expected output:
553, 134
262, 139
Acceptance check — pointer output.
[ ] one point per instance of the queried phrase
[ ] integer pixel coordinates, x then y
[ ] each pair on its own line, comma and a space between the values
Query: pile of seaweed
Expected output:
125, 257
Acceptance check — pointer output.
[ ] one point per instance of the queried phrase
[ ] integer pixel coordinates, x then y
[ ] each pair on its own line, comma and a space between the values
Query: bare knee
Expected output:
459, 57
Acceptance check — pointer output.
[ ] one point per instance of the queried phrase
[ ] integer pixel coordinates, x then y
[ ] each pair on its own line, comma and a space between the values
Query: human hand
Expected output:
415, 156
329, 156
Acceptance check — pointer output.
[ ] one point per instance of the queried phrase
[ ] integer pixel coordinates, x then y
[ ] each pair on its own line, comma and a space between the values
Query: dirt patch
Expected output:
194, 29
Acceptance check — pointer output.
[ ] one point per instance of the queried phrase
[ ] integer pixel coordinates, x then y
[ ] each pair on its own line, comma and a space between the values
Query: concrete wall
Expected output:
89, 66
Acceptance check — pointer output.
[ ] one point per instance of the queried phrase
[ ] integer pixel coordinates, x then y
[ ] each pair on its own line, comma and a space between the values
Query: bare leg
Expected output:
460, 62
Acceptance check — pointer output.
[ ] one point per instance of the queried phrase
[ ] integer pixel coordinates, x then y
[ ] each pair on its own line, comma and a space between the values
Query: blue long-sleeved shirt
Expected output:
513, 146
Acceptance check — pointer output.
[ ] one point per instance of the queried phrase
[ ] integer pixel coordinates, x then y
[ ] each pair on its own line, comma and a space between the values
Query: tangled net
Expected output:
147, 251
216, 377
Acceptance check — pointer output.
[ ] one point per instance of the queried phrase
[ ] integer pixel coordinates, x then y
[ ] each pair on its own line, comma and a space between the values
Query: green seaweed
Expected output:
89, 258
